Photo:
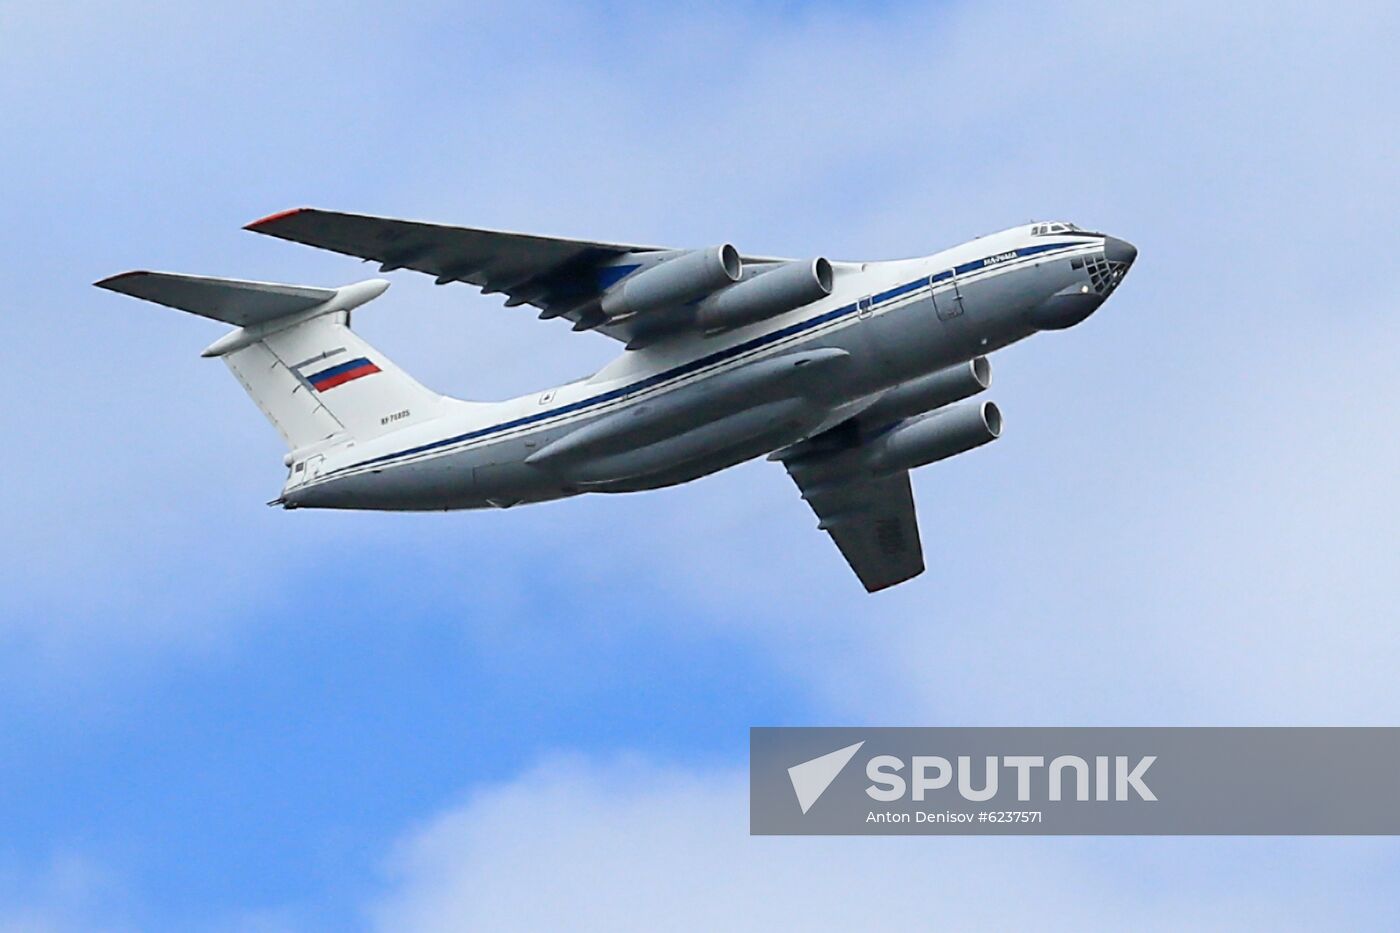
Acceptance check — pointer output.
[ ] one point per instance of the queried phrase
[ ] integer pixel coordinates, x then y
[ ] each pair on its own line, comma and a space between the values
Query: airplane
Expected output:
849, 374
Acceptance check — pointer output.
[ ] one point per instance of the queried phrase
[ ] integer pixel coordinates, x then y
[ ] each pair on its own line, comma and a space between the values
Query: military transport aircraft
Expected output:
848, 373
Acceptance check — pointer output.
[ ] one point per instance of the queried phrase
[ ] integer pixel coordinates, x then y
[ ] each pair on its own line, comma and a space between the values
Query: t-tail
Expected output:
293, 351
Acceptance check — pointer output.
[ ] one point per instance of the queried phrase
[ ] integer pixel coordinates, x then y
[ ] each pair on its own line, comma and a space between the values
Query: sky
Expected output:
223, 717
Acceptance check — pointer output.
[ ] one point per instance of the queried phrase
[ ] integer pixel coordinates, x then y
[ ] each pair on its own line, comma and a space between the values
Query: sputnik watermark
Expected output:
1076, 781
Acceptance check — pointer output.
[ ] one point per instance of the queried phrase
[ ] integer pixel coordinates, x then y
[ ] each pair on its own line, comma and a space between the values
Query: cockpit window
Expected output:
1054, 227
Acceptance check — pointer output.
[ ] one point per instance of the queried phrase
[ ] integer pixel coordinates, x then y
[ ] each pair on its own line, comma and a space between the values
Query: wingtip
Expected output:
273, 218
875, 586
111, 280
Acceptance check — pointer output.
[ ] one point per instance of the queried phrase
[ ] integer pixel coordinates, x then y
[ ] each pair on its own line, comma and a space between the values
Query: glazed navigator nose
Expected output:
1116, 250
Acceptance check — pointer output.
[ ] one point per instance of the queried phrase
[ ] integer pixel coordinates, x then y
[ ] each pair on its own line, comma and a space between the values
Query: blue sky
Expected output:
218, 716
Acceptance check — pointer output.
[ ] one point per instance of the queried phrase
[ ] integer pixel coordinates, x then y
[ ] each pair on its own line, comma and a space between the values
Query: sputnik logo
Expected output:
811, 778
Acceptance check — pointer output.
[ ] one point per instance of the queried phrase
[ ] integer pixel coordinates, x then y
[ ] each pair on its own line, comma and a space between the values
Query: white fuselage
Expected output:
694, 404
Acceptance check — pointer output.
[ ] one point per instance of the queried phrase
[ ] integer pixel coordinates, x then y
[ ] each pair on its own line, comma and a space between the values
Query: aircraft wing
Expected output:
871, 519
561, 277
233, 301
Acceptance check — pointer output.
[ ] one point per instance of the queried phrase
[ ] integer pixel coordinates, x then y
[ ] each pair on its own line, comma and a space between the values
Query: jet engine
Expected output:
769, 293
926, 393
936, 436
675, 281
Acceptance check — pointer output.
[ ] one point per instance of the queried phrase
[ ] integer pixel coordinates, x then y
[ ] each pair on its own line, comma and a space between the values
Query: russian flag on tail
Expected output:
328, 379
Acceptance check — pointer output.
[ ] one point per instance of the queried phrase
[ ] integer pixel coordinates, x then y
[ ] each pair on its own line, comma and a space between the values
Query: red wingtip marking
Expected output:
271, 218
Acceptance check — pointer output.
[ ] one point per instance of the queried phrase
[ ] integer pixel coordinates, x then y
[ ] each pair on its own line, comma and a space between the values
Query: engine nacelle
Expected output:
937, 436
675, 281
770, 293
929, 392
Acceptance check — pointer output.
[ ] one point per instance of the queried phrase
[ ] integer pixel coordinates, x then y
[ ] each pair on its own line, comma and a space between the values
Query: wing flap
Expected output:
232, 301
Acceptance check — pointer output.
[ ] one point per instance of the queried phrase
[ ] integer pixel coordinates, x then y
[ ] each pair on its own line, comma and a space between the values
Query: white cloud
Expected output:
627, 845
66, 893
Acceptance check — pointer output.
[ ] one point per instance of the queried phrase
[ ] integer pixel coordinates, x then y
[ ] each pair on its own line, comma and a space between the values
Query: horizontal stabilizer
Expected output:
230, 300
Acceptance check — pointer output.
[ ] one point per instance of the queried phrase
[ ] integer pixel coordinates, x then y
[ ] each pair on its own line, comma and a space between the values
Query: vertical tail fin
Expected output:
296, 356
317, 379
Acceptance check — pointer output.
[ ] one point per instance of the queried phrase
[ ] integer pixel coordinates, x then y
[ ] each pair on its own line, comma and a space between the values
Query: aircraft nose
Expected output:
1116, 250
